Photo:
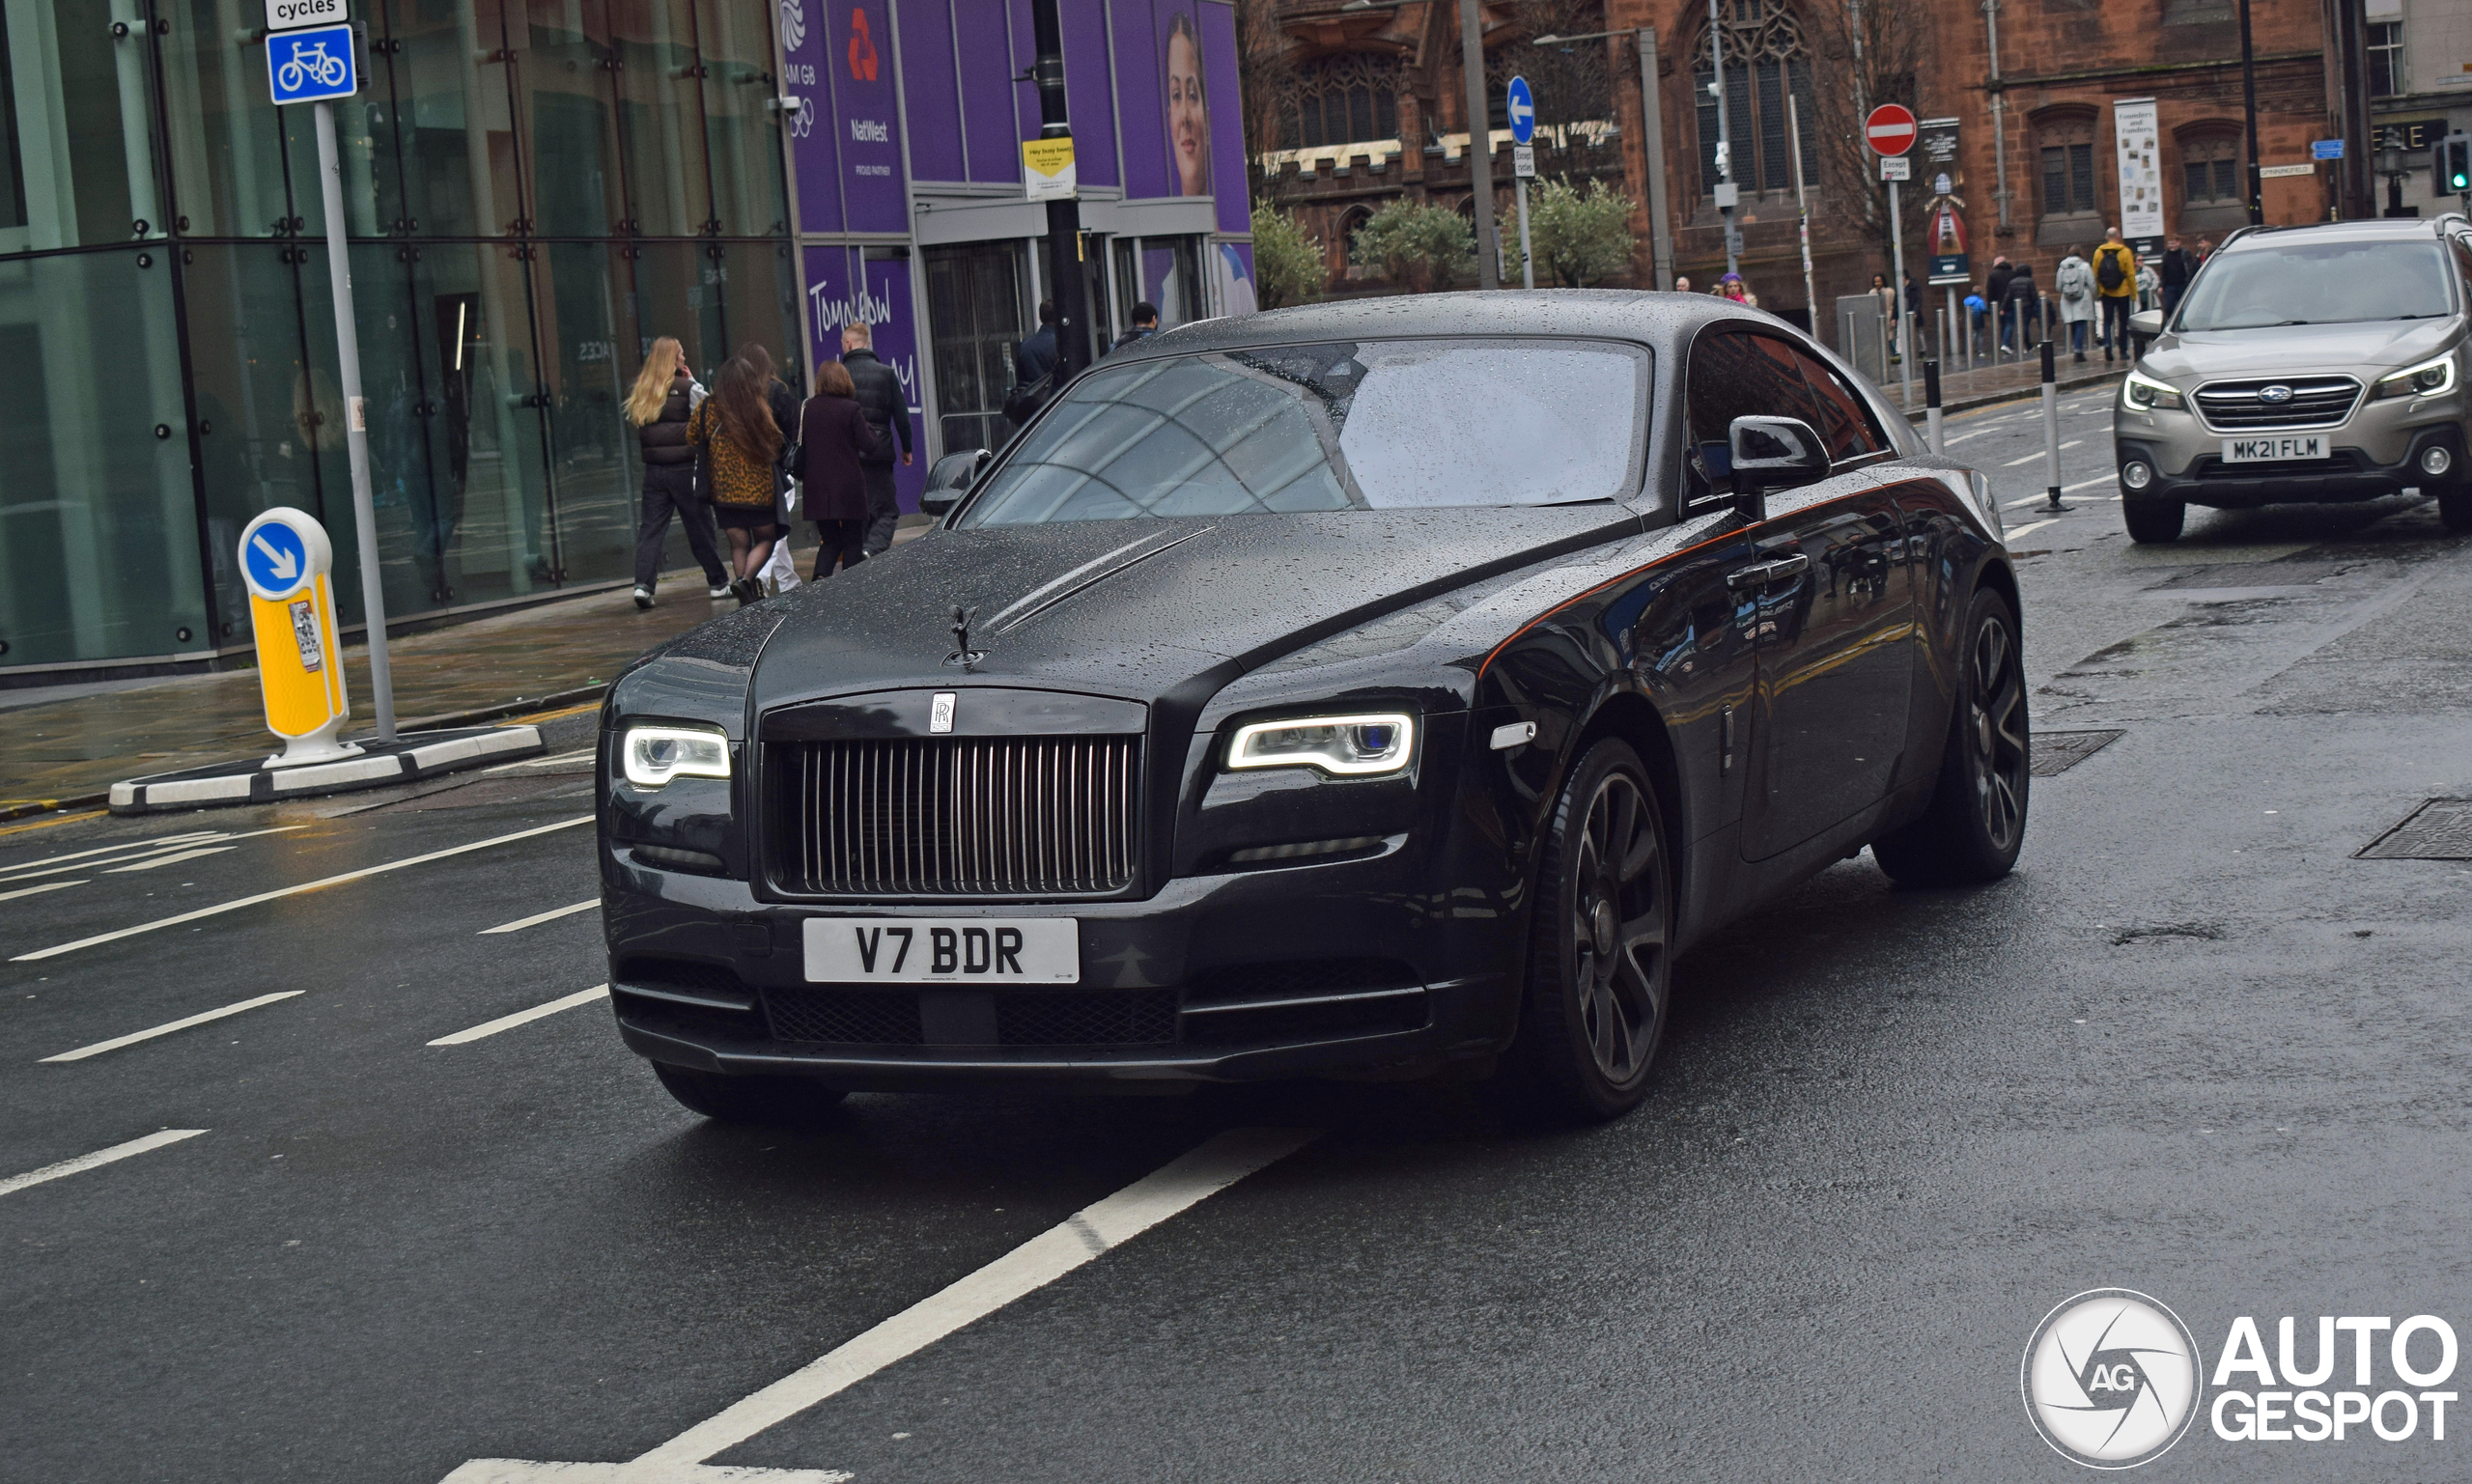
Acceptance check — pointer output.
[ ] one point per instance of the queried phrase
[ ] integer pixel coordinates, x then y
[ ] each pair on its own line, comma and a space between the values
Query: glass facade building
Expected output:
535, 189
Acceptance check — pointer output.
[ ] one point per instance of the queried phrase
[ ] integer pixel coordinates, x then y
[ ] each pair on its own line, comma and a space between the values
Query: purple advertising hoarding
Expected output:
1138, 104
846, 284
1228, 128
930, 92
846, 139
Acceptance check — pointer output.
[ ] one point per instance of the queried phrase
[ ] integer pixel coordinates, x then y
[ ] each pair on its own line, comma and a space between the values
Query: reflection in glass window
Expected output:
1332, 427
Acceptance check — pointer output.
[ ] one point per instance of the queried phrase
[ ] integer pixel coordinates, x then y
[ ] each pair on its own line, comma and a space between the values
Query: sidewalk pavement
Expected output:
66, 753
2007, 381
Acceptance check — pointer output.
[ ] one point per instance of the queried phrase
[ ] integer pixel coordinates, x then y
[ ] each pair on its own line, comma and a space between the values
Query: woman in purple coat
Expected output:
834, 435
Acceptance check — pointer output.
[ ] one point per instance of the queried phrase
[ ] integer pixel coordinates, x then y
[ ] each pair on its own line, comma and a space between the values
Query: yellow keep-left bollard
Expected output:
286, 561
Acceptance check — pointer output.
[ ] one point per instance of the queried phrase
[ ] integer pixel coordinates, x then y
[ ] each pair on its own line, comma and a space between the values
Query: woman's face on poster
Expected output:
1188, 121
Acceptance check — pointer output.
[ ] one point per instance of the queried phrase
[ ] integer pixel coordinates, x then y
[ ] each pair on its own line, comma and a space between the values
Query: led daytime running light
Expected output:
652, 755
1347, 747
2143, 394
2438, 374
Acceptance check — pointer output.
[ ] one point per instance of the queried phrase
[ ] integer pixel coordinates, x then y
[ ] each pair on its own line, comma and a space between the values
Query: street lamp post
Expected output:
1481, 142
1068, 282
1652, 144
1725, 193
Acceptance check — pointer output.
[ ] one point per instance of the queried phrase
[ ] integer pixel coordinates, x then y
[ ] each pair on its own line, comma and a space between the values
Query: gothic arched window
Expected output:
1765, 58
1346, 98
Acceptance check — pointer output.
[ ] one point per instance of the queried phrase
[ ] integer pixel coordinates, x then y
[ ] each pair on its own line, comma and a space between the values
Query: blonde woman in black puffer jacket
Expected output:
663, 399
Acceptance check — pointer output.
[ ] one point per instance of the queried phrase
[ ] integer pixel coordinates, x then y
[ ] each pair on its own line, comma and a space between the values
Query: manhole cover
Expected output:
2440, 829
2056, 752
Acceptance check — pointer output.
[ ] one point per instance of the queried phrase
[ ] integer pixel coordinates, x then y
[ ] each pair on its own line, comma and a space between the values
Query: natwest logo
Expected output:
862, 46
870, 132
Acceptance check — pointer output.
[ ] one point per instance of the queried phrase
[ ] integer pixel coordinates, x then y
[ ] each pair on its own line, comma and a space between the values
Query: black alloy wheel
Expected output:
1600, 967
1976, 823
786, 1102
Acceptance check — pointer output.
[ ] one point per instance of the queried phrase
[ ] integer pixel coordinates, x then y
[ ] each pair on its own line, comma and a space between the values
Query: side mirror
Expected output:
2147, 322
1772, 453
951, 479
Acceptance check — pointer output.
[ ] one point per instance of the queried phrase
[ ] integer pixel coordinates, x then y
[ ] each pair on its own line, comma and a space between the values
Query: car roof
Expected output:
1649, 319
2367, 229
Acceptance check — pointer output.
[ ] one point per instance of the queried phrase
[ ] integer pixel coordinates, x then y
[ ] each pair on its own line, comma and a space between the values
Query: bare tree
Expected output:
1869, 52
1265, 76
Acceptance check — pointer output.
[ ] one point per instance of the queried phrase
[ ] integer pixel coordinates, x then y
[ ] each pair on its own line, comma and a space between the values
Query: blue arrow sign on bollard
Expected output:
1521, 105
310, 66
277, 560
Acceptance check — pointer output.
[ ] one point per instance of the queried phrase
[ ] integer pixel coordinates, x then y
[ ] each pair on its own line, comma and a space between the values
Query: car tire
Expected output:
2154, 522
1600, 970
1976, 823
757, 1100
2455, 508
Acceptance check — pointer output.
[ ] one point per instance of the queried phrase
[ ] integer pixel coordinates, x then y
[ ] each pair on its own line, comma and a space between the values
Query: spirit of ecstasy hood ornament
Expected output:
962, 655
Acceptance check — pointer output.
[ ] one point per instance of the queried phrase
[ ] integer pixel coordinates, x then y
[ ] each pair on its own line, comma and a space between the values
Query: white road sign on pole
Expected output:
293, 15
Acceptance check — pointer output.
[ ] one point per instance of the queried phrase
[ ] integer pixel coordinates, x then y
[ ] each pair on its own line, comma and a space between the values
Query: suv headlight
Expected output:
1350, 747
2143, 393
652, 755
2427, 380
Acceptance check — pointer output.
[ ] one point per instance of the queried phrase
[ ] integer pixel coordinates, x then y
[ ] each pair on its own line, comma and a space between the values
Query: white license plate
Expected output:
944, 950
2274, 449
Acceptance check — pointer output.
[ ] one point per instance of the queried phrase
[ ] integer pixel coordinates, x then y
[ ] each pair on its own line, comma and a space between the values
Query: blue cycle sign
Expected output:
312, 66
1521, 105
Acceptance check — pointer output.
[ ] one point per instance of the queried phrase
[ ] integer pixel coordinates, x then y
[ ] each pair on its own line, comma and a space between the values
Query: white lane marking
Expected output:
2083, 484
28, 892
237, 902
538, 918
548, 762
2028, 458
87, 1162
2071, 444
1180, 1184
165, 842
1963, 437
524, 1017
2036, 526
173, 859
137, 852
134, 1037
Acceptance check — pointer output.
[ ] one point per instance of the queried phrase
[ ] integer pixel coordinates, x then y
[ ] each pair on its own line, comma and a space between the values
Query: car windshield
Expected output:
1365, 425
2318, 283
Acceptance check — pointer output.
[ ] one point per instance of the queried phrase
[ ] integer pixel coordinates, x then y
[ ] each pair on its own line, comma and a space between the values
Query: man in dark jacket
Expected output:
888, 412
1995, 292
2178, 266
2025, 308
1145, 324
1037, 356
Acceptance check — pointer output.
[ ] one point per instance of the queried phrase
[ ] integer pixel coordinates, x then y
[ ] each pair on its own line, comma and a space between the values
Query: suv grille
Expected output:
2316, 402
962, 816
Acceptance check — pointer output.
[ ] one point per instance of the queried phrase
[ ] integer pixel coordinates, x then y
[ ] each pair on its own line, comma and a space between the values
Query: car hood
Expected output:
1136, 609
2364, 349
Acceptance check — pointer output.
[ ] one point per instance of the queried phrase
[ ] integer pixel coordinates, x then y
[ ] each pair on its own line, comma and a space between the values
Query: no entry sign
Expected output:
1890, 129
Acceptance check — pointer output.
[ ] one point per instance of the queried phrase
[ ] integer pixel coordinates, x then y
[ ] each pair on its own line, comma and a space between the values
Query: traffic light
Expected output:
2454, 163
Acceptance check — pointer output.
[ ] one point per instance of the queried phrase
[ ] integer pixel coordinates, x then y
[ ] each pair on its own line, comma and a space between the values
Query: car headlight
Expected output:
652, 755
2427, 380
1350, 747
2145, 394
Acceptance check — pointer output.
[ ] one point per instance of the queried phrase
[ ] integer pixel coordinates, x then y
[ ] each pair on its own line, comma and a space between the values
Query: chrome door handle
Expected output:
1767, 574
1784, 567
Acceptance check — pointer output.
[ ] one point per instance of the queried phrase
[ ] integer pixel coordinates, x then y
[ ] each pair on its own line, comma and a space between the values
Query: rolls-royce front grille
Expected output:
964, 816
2305, 401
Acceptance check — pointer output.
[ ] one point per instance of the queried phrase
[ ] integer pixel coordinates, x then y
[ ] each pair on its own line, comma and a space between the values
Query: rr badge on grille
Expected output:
939, 711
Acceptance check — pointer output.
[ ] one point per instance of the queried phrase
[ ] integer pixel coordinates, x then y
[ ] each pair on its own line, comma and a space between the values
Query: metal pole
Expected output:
1802, 206
1931, 407
1999, 112
2051, 430
1070, 289
364, 512
1897, 296
1480, 143
1725, 135
2249, 106
1526, 265
1660, 223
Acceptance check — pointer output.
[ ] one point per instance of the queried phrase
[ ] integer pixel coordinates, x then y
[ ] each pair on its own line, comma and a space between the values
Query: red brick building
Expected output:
2036, 168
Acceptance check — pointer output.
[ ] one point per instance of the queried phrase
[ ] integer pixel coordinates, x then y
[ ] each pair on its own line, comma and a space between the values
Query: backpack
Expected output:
2108, 271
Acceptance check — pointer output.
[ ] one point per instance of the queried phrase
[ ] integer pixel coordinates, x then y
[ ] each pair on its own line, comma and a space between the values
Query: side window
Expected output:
1845, 422
1736, 374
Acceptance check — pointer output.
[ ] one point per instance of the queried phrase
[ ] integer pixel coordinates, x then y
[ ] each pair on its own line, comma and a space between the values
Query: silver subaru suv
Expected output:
2305, 364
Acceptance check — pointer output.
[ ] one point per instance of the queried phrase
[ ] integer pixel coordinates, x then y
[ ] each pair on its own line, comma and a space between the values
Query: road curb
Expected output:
1920, 415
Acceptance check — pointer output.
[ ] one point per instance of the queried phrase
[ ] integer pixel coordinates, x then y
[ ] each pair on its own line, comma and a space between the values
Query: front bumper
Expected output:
2373, 454
1349, 969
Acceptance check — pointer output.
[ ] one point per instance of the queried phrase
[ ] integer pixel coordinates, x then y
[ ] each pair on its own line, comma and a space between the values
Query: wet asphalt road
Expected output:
2193, 1048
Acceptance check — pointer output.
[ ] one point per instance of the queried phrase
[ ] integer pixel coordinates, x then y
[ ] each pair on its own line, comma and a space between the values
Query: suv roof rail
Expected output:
2235, 235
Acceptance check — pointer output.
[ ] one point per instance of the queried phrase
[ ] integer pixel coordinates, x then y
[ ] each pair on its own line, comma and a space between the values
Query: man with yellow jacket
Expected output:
2115, 290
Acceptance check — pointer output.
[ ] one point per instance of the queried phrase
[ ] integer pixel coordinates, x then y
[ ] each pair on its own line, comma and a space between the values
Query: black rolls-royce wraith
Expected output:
1375, 690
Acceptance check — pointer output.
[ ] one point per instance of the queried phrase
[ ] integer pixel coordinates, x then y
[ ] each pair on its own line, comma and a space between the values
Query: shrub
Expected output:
1418, 244
1580, 237
1288, 264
